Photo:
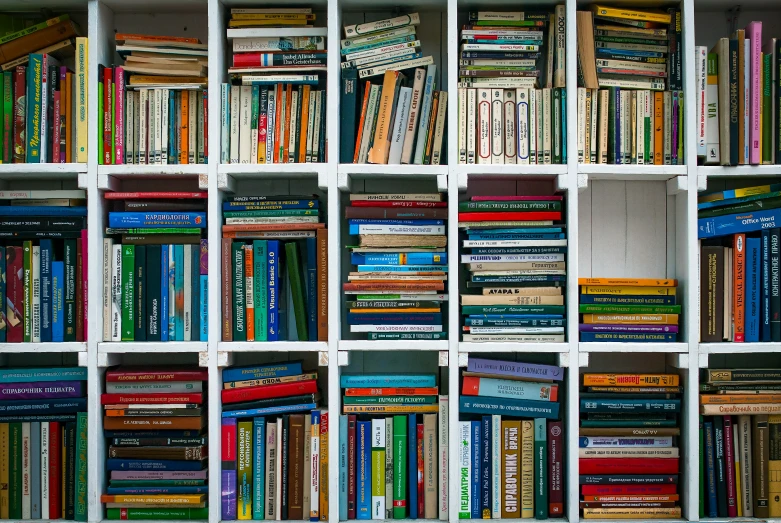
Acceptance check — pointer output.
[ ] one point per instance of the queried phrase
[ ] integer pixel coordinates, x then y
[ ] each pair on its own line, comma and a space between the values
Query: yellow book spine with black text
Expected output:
527, 469
627, 290
324, 465
82, 98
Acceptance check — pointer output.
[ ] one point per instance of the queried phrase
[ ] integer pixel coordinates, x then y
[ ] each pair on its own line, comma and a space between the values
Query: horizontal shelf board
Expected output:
41, 171
393, 345
370, 170
158, 6
738, 348
20, 348
120, 347
739, 170
260, 170
260, 32
140, 171
481, 348
479, 170
272, 346
633, 347
632, 172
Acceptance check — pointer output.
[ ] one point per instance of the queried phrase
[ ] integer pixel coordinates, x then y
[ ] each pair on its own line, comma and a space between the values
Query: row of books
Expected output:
394, 297
273, 431
274, 269
739, 443
514, 251
628, 310
393, 467
43, 443
154, 419
511, 457
153, 108
738, 129
629, 460
739, 261
155, 267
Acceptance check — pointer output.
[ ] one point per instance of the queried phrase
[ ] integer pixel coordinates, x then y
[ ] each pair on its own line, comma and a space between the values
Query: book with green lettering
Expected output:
139, 312
128, 292
540, 469
244, 469
260, 288
27, 297
629, 309
15, 471
157, 513
378, 468
70, 290
767, 109
33, 29
237, 261
8, 116
34, 101
297, 289
385, 400
81, 467
399, 467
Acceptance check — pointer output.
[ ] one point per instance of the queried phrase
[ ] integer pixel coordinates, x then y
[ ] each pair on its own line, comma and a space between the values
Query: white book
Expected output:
396, 328
425, 113
294, 123
701, 76
399, 130
746, 101
388, 468
378, 484
418, 84
439, 129
398, 65
307, 499
483, 126
514, 338
504, 258
471, 126
405, 53
401, 229
737, 458
582, 131
45, 471
497, 126
516, 330
534, 101
271, 471
235, 123
129, 125
371, 109
462, 123
547, 131
278, 472
496, 466
310, 130
515, 243
602, 151
640, 126
108, 288
522, 118
188, 294
27, 473
158, 126
245, 134
465, 468
746, 476
498, 83
249, 292
36, 283
225, 120
712, 147
270, 123
510, 127
143, 125
380, 52
164, 120
314, 484
151, 125
116, 294
442, 452
560, 57
594, 134
668, 131
318, 126
192, 126
374, 37
200, 133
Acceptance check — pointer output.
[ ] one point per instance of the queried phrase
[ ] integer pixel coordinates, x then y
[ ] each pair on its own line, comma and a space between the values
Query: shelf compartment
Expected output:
467, 347
616, 347
393, 345
632, 172
229, 174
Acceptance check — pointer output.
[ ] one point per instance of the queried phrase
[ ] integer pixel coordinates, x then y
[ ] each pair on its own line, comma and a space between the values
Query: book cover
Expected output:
413, 465
363, 487
465, 469
229, 472
511, 459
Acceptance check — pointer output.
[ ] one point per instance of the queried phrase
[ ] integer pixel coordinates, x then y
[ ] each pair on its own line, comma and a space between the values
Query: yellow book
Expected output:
254, 23
381, 147
632, 513
511, 439
631, 319
627, 290
324, 465
631, 14
629, 282
527, 469
631, 380
774, 487
4, 470
273, 16
81, 98
389, 409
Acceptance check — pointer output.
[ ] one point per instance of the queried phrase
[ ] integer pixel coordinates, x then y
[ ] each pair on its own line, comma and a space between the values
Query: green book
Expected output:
385, 400
244, 470
70, 290
630, 309
399, 467
8, 110
512, 309
81, 466
128, 292
272, 214
540, 469
2, 117
702, 472
157, 483
556, 125
239, 307
140, 294
260, 287
297, 290
15, 471
767, 109
647, 141
27, 300
33, 29
157, 513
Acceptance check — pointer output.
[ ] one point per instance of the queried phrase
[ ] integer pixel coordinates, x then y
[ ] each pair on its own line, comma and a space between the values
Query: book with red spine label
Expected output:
55, 469
507, 216
628, 466
396, 203
156, 374
269, 391
108, 89
155, 195
119, 399
392, 391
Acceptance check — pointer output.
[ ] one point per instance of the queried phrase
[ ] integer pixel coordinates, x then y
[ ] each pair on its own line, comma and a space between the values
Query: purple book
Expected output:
674, 149
228, 468
515, 368
204, 257
229, 505
138, 475
628, 328
43, 390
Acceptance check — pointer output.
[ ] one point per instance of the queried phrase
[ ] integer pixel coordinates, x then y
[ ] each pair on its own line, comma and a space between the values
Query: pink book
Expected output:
56, 129
119, 116
517, 198
63, 121
754, 35
84, 279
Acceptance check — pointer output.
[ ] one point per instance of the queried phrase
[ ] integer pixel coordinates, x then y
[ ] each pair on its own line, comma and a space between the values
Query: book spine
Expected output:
228, 467
760, 465
465, 469
378, 469
324, 478
244, 470
729, 462
55, 468
271, 471
128, 293
364, 470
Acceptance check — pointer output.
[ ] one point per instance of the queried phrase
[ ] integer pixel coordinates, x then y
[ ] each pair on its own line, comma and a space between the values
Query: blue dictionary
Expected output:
54, 406
171, 286
753, 288
274, 289
259, 468
3, 319
271, 206
46, 290
310, 276
406, 318
158, 490
396, 258
155, 220
268, 411
58, 301
364, 221
204, 306
606, 299
710, 470
630, 405
343, 467
412, 465
625, 337
35, 464
164, 276
387, 380
36, 210
364, 472
765, 279
476, 502
402, 268
509, 407
254, 372
737, 223
485, 468
153, 464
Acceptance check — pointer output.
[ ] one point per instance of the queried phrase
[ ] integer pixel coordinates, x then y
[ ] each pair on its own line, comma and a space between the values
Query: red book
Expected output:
20, 115
421, 486
612, 466
372, 203
84, 281
206, 125
154, 195
56, 128
55, 470
108, 89
471, 387
739, 286
280, 390
507, 216
267, 59
118, 399
14, 291
385, 213
351, 420
78, 296
729, 457
157, 374
555, 469
516, 198
627, 490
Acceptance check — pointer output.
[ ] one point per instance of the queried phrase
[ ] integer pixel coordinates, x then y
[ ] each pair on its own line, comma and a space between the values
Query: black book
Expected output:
272, 402
674, 42
733, 101
348, 115
721, 466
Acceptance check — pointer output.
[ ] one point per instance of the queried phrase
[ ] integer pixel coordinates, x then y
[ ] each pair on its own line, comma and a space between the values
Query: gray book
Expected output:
35, 469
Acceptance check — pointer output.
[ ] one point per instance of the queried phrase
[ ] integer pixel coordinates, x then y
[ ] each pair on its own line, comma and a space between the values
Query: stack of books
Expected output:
274, 444
43, 266
739, 295
512, 101
516, 267
738, 130
43, 443
155, 422
274, 269
739, 443
628, 310
155, 267
400, 266
630, 82
391, 112
629, 456
393, 448
274, 109
153, 108
509, 436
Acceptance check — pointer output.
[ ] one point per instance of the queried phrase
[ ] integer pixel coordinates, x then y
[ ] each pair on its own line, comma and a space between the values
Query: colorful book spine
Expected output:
364, 471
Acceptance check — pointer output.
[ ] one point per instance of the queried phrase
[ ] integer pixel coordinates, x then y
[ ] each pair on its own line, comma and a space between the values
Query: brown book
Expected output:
511, 467
38, 40
303, 103
176, 453
401, 240
644, 431
761, 458
322, 285
227, 291
162, 239
430, 459
154, 423
587, 64
711, 296
295, 485
138, 79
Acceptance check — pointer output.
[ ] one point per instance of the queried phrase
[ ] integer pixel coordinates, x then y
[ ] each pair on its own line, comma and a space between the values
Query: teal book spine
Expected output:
139, 319
179, 292
34, 101
388, 380
540, 469
195, 291
260, 288
128, 292
171, 303
259, 468
81, 467
70, 291
204, 307
244, 479
239, 319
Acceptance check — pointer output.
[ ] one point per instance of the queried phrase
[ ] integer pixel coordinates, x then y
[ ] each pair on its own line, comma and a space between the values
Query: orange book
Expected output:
120, 37
629, 282
390, 286
631, 380
362, 120
249, 300
322, 284
431, 123
727, 399
658, 128
392, 391
154, 423
739, 286
304, 124
631, 319
378, 153
278, 125
68, 108
288, 120
273, 227
184, 132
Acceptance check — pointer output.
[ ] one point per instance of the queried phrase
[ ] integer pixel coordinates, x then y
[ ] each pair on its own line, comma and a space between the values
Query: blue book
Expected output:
164, 276
154, 220
34, 210
254, 372
710, 470
630, 405
3, 318
274, 289
195, 291
204, 306
412, 465
485, 467
525, 236
157, 490
173, 152
753, 288
171, 287
46, 290
406, 318
402, 268
259, 468
271, 205
509, 407
765, 279
268, 411
35, 464
365, 221
179, 291
387, 380
399, 258
343, 467
477, 457
310, 272
730, 224
58, 301
626, 337
153, 464
364, 472
49, 406
604, 299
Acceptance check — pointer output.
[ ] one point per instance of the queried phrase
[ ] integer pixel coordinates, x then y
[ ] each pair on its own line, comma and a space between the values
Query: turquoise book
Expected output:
179, 292
171, 294
256, 372
204, 304
540, 469
260, 288
258, 468
388, 380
